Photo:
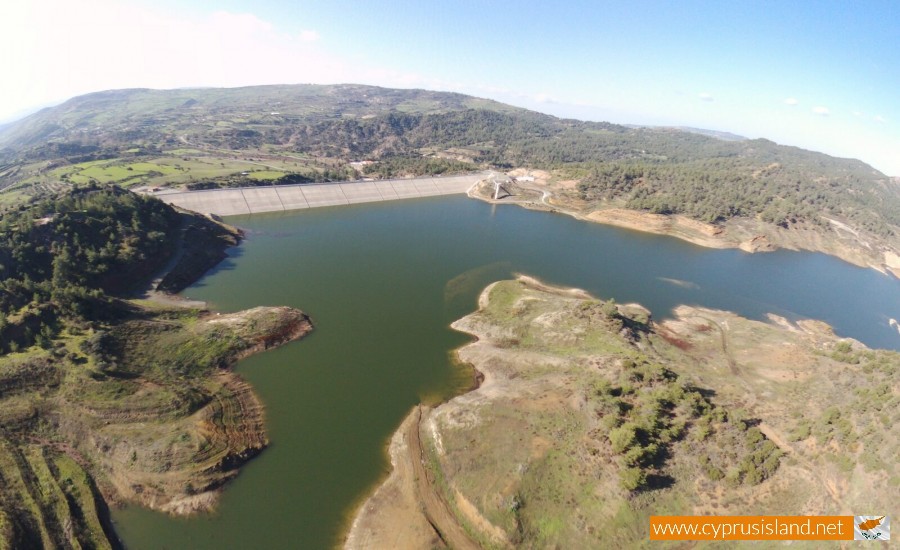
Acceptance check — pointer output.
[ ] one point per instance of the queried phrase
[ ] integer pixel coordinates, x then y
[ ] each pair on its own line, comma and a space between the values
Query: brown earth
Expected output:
393, 517
406, 512
147, 449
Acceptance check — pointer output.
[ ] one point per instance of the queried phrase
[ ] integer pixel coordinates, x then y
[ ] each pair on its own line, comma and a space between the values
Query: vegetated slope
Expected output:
105, 400
591, 417
309, 132
64, 257
237, 116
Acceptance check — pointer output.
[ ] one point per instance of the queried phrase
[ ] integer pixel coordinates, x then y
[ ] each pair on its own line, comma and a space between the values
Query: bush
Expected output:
602, 387
713, 472
609, 309
801, 431
641, 455
753, 436
623, 437
633, 479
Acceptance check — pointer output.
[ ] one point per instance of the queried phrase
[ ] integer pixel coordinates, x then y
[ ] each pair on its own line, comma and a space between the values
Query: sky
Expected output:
821, 75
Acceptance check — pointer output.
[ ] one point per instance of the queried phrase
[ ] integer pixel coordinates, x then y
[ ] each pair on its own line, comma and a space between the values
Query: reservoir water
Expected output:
383, 282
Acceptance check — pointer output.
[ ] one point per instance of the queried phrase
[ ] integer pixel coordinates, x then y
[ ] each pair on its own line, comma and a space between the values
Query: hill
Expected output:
727, 136
109, 400
153, 116
293, 134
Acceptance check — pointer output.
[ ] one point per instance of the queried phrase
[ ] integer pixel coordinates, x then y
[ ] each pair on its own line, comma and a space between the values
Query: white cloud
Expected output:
821, 111
706, 96
879, 118
791, 101
309, 36
240, 24
857, 113
544, 98
67, 50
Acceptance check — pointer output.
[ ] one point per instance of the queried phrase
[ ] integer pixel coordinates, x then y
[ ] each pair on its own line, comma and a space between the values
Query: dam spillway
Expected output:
277, 198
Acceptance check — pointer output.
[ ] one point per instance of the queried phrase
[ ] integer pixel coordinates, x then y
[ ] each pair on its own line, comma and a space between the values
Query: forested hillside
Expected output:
60, 257
64, 259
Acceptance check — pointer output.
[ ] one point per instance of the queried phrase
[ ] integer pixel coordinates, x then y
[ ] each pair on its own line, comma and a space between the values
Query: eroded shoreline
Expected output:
748, 235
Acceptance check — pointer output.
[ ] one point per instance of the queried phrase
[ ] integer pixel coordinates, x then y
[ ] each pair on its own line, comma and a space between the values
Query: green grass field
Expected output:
174, 167
116, 171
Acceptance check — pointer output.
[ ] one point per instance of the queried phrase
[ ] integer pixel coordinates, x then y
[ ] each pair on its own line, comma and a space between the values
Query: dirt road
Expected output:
433, 503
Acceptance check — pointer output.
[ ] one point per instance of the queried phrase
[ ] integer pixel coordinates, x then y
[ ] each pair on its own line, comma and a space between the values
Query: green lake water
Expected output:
382, 282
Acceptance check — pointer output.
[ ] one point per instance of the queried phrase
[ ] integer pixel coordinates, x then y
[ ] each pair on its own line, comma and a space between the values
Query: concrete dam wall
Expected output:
253, 200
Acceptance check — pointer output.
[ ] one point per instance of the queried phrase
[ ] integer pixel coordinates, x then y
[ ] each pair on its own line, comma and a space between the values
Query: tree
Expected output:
62, 268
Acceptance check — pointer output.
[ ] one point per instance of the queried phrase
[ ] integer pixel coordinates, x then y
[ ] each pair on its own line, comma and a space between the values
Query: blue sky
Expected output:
820, 75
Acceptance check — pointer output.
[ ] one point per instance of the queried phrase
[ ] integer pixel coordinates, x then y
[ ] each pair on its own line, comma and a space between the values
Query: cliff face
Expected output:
143, 412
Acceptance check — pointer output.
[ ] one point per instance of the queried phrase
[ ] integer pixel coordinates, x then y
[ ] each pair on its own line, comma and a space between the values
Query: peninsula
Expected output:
591, 417
543, 190
590, 414
106, 400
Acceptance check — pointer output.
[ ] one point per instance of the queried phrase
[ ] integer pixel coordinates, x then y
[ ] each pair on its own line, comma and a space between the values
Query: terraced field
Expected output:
55, 493
142, 412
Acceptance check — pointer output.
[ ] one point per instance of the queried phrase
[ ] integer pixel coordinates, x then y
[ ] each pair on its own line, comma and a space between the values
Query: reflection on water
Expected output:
679, 282
474, 280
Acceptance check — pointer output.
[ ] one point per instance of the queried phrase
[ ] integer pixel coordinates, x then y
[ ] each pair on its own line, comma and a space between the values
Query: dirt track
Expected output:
408, 511
436, 509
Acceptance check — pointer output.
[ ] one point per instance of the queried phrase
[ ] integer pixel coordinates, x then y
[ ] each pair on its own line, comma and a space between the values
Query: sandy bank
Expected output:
411, 509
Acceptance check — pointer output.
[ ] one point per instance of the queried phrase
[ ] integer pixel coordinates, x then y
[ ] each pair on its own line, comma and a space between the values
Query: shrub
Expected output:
713, 472
633, 479
801, 431
623, 437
